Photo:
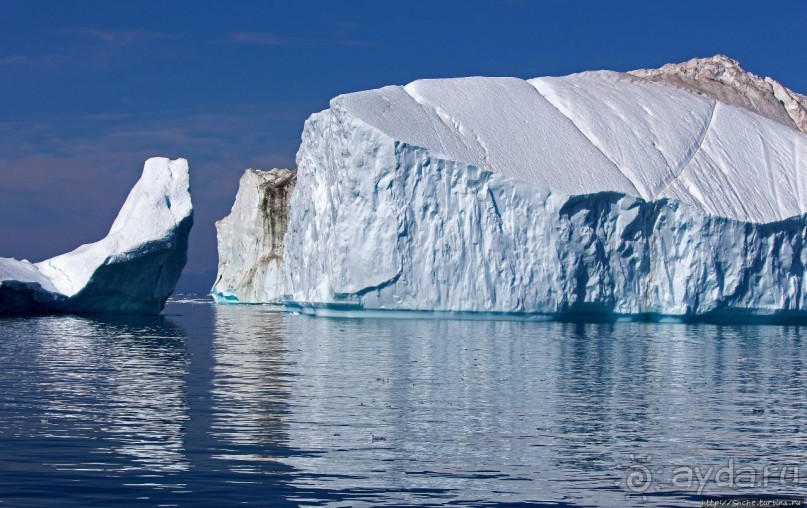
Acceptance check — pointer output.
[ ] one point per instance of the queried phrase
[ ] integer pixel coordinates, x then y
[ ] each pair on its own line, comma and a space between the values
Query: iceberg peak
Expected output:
723, 79
134, 269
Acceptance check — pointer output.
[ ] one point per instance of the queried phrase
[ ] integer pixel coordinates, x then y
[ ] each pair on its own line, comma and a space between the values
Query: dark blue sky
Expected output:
90, 89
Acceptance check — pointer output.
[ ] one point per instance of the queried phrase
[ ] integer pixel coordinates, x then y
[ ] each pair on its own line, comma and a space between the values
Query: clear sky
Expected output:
90, 89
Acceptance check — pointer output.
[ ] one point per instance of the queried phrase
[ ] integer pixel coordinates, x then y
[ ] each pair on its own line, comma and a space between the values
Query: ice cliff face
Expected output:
250, 239
598, 192
132, 270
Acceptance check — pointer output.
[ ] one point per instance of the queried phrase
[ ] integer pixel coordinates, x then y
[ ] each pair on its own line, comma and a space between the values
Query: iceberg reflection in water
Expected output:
212, 406
249, 392
119, 380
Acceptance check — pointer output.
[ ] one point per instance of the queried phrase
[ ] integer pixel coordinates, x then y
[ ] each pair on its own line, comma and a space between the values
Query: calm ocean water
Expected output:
231, 406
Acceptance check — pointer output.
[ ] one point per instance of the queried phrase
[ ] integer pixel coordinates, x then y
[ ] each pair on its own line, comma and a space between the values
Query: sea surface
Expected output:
244, 406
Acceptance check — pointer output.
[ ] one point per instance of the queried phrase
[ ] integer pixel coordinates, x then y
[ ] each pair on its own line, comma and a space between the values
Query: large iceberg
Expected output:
599, 193
132, 270
250, 239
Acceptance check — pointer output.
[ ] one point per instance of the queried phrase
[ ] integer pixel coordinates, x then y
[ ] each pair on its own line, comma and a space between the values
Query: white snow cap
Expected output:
603, 131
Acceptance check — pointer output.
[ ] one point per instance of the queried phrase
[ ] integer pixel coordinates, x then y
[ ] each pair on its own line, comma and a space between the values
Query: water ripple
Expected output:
212, 406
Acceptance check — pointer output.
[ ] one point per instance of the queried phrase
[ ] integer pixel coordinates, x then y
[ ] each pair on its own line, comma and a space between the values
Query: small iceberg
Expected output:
133, 270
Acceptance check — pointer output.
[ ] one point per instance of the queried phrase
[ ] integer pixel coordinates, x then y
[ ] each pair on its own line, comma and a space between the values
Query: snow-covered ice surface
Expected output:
600, 193
250, 239
134, 269
599, 131
502, 124
670, 143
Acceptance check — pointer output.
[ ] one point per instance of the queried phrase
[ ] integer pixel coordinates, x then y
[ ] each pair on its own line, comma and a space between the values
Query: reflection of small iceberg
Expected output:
120, 377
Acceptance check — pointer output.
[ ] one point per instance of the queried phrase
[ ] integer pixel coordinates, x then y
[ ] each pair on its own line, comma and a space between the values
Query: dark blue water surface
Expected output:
240, 405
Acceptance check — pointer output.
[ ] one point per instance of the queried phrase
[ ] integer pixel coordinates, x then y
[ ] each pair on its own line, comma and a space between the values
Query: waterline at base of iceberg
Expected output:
221, 298
353, 311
